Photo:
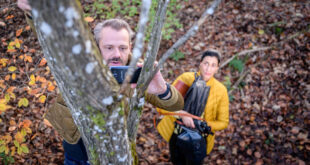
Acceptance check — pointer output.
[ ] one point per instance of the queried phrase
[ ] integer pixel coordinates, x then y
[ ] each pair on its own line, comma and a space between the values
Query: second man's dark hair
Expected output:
211, 53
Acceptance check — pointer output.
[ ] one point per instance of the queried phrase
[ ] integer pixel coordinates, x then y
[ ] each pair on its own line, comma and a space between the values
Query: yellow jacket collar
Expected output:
210, 81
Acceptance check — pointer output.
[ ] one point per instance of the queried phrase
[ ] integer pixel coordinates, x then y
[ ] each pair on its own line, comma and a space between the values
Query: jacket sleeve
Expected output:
174, 103
222, 113
180, 86
61, 119
30, 22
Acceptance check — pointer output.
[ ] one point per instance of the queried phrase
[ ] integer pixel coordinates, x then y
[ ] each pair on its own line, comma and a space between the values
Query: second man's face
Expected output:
115, 46
208, 67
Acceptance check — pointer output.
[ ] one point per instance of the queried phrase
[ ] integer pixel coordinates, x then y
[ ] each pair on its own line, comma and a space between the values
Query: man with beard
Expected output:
113, 37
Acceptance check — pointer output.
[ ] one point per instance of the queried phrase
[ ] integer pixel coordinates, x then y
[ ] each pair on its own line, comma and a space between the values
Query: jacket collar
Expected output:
210, 81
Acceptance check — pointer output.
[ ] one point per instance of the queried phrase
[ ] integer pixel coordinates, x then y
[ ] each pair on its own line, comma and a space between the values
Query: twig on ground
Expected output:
244, 53
243, 75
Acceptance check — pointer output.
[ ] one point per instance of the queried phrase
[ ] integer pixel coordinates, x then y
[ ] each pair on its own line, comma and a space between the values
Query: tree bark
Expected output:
88, 88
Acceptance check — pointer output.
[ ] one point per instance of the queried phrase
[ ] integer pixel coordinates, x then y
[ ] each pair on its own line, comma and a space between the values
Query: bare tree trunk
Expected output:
88, 87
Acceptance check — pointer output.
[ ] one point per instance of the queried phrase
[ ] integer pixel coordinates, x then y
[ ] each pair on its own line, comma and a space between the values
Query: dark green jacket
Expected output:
61, 119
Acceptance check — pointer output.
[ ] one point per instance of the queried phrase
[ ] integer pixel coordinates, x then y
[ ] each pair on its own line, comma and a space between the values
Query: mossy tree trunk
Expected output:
88, 88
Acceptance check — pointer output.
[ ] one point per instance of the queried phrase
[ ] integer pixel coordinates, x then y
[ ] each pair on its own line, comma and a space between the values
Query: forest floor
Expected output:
269, 109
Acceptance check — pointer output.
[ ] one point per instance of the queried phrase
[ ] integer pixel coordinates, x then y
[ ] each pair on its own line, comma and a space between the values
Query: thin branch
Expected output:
13, 4
244, 53
266, 48
294, 35
137, 101
264, 57
138, 48
191, 32
243, 75
154, 43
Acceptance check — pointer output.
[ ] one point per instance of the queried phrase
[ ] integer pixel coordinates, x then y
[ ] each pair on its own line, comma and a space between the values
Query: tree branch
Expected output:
244, 53
243, 75
191, 32
138, 48
137, 101
264, 48
154, 43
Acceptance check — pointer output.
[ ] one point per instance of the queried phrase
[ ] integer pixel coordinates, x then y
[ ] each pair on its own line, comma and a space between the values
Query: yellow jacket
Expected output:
216, 112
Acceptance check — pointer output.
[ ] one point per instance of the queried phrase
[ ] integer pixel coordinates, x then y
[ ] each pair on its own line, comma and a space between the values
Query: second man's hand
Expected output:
187, 121
158, 85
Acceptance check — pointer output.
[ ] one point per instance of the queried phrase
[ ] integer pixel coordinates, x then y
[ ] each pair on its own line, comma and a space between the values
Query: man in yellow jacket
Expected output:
216, 112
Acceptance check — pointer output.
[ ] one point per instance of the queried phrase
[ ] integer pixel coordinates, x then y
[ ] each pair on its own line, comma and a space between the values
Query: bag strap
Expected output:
176, 114
179, 114
196, 77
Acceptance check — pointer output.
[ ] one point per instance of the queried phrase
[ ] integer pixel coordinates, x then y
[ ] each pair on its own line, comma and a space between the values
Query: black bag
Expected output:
190, 143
